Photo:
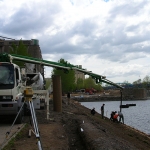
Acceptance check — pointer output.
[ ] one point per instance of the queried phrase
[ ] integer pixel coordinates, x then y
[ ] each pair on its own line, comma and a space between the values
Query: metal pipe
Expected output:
38, 62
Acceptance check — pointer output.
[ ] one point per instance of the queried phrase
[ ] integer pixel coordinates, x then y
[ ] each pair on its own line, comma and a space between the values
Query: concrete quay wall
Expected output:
128, 94
134, 93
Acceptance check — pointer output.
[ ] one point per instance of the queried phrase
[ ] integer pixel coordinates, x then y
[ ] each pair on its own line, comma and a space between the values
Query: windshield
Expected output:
6, 74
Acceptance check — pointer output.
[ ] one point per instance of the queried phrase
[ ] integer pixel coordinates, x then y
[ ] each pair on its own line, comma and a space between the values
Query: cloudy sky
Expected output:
107, 37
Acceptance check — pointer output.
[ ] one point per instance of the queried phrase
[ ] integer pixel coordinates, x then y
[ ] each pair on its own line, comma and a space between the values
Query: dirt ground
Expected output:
76, 129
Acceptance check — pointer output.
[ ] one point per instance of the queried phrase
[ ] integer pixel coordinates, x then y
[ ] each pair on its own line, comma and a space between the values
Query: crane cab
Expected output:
10, 88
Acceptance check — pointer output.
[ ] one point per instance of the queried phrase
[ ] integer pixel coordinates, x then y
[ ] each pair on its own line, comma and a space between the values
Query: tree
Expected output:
19, 49
67, 79
126, 82
146, 81
98, 87
89, 83
80, 83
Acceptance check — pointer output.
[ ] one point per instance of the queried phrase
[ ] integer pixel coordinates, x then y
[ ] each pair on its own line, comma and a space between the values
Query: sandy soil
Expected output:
76, 129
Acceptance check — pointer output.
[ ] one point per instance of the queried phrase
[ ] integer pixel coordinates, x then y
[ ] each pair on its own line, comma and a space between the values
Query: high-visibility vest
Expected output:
115, 116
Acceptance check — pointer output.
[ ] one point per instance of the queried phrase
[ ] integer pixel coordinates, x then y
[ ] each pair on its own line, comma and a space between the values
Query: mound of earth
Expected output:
76, 129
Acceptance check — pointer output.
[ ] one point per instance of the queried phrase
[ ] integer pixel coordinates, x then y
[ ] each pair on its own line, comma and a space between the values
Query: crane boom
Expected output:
65, 66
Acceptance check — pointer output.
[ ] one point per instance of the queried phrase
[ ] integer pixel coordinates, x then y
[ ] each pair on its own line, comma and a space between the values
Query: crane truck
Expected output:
14, 79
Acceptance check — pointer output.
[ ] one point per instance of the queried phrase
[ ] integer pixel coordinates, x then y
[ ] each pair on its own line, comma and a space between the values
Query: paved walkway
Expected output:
4, 128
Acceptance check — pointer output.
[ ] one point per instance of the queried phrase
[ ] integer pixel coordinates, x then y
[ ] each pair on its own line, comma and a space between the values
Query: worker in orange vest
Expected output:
115, 117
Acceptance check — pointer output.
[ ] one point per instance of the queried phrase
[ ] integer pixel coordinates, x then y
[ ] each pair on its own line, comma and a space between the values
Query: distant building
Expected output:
32, 45
79, 74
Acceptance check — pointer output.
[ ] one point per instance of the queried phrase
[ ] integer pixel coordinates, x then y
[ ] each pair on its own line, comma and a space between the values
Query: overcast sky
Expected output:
107, 37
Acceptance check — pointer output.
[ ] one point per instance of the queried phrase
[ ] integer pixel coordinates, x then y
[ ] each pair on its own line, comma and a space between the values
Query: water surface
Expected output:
135, 116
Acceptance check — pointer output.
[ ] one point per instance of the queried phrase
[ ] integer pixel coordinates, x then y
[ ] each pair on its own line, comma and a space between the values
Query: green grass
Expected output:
10, 144
19, 135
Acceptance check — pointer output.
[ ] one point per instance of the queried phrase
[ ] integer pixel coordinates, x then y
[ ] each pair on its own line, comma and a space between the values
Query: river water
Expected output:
137, 116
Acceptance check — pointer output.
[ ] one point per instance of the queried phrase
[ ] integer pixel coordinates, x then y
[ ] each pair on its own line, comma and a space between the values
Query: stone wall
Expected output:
33, 49
134, 93
128, 94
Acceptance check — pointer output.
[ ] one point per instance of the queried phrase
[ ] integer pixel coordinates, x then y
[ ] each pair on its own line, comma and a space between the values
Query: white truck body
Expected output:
11, 97
12, 85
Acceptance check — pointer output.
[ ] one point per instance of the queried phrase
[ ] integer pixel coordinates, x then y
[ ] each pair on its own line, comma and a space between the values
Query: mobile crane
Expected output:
13, 81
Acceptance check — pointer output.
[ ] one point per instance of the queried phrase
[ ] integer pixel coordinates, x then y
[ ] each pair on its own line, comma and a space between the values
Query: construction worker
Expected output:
115, 117
93, 111
102, 110
121, 117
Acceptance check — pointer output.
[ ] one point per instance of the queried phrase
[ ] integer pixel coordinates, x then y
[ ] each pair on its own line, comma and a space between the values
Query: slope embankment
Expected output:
75, 128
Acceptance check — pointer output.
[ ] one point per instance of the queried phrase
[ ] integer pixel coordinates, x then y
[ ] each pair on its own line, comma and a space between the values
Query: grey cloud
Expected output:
27, 21
113, 43
111, 74
118, 35
113, 47
62, 47
118, 39
60, 41
84, 27
133, 57
127, 9
132, 28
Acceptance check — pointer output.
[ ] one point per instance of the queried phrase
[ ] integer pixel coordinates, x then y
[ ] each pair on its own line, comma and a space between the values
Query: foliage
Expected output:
80, 83
67, 79
98, 87
18, 136
10, 144
48, 82
137, 81
146, 81
19, 49
125, 82
89, 83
